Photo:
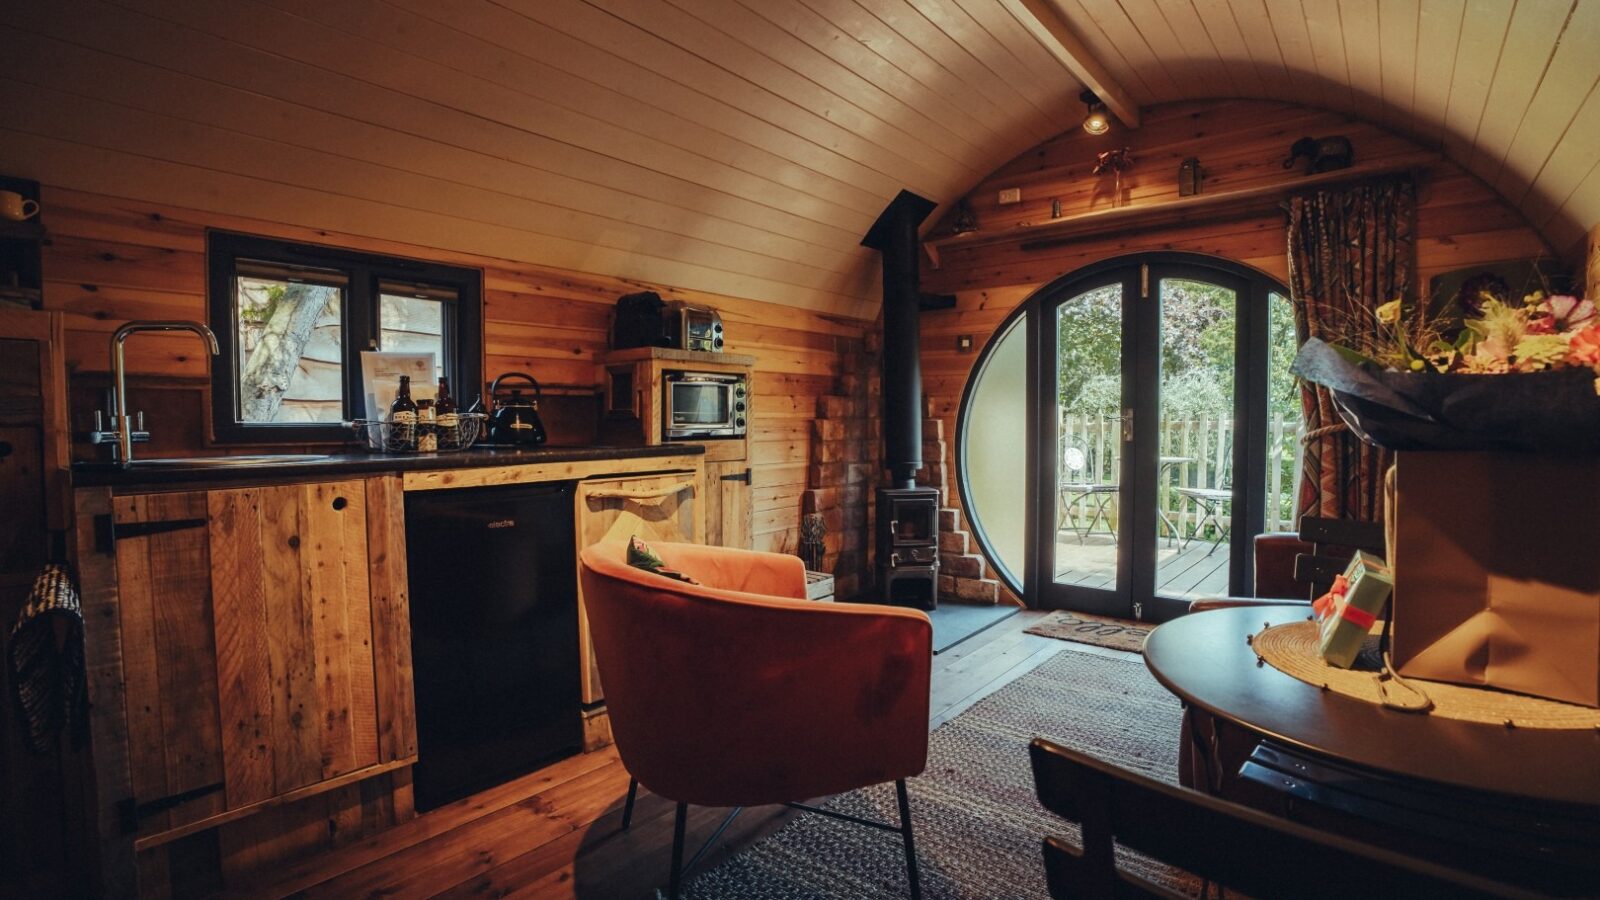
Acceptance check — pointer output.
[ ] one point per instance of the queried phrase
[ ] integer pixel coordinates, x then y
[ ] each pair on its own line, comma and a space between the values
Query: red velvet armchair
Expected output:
740, 692
1275, 583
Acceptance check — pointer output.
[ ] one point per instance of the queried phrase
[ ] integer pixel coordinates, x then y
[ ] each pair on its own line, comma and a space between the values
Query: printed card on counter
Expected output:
380, 374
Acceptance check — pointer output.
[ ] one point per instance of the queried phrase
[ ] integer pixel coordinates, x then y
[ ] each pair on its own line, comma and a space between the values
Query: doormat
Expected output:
1101, 631
978, 821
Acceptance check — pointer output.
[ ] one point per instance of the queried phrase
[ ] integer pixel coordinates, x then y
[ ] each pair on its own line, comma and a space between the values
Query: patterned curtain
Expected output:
1349, 251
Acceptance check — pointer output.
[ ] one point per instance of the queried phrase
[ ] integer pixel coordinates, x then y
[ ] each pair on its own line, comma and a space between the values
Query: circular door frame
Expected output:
1028, 309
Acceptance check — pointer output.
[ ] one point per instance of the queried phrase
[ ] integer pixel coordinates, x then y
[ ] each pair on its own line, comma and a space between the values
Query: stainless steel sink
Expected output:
228, 461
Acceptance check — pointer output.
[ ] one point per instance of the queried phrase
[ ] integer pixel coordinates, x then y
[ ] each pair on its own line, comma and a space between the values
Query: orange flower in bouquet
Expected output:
1584, 348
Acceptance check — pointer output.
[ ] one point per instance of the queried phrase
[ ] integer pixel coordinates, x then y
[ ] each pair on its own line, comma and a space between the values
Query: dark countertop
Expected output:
168, 472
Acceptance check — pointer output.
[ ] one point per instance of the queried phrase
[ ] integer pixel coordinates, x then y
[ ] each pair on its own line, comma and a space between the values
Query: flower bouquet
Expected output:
1484, 373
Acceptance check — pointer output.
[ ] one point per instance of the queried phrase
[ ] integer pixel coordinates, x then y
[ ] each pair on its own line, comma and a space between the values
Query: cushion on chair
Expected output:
640, 556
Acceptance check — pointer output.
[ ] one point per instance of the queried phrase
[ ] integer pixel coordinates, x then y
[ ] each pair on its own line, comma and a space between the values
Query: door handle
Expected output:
742, 476
1127, 424
107, 531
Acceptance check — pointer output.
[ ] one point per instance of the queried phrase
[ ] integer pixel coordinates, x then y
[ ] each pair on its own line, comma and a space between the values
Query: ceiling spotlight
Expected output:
1097, 121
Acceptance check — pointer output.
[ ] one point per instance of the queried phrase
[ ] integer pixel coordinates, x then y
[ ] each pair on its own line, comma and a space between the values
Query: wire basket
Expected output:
422, 437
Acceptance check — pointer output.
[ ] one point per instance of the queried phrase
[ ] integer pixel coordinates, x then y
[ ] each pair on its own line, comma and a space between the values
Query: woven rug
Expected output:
1102, 631
978, 826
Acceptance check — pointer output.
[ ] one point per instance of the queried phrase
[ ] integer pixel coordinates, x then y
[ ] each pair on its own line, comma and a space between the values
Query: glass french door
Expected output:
1151, 438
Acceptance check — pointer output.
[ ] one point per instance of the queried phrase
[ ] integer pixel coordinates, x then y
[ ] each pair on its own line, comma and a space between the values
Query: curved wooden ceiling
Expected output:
1508, 88
739, 147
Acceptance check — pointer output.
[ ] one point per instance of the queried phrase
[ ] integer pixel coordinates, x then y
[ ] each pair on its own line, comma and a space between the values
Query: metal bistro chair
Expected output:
1211, 502
1079, 487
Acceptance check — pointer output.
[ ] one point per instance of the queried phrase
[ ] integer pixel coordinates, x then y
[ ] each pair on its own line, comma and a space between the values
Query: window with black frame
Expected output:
292, 320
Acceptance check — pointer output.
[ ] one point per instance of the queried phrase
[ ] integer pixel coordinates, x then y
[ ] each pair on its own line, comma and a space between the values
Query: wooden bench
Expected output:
1221, 842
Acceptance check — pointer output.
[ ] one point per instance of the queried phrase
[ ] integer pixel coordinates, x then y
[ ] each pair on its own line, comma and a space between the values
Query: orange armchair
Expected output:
740, 692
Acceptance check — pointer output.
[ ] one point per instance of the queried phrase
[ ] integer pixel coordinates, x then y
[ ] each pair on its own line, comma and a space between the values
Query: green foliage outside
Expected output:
1197, 360
258, 300
1196, 352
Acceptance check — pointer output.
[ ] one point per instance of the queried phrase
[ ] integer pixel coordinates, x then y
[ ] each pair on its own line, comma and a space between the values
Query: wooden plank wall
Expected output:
1240, 143
114, 259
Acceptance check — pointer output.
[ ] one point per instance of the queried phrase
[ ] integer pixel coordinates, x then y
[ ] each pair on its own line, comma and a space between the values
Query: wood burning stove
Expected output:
907, 539
908, 546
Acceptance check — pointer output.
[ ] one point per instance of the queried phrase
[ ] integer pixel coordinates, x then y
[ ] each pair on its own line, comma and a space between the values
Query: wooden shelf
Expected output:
21, 231
670, 354
1243, 201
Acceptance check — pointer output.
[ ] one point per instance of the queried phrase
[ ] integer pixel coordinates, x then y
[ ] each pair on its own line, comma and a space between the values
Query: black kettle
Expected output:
515, 419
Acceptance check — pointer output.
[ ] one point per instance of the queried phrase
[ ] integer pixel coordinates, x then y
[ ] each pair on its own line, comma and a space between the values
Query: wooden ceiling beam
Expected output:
1046, 24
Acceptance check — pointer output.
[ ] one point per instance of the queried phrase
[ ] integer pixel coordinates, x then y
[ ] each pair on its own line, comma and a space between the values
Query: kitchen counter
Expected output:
156, 473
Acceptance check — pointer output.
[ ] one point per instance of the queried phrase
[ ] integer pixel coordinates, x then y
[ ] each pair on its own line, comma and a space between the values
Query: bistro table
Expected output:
1516, 803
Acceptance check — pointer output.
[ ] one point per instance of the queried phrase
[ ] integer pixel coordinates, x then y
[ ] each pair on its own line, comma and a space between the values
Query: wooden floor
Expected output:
556, 834
1198, 570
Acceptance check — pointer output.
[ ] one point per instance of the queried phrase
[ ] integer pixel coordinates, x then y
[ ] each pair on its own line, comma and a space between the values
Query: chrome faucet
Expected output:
123, 430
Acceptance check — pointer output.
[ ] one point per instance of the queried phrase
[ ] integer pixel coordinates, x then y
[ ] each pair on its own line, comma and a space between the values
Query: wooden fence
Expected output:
1195, 453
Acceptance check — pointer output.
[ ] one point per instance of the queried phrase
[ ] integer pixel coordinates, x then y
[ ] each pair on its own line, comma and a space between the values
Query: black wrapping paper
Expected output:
1551, 412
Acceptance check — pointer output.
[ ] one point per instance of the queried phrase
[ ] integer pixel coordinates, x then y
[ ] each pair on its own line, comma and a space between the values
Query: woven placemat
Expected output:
1292, 650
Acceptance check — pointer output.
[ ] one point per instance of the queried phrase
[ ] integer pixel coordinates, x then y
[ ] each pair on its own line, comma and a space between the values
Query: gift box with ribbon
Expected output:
1346, 613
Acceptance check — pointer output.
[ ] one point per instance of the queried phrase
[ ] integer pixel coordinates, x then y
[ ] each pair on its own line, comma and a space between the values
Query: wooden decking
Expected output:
1198, 571
556, 833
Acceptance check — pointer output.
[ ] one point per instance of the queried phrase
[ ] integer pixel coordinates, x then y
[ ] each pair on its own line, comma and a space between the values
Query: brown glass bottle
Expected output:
444, 405
403, 415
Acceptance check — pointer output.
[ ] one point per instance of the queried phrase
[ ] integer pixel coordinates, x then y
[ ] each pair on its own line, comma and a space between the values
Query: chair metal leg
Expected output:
1071, 512
911, 847
1100, 516
711, 841
627, 809
677, 851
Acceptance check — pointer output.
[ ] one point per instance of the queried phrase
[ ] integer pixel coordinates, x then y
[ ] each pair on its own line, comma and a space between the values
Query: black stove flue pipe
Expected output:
894, 236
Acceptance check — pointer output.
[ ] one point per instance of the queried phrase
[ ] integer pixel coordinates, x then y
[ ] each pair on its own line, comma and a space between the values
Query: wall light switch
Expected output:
964, 343
1011, 195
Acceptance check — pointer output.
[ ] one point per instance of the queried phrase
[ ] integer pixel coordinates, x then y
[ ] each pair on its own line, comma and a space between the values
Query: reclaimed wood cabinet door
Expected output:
728, 504
266, 645
665, 507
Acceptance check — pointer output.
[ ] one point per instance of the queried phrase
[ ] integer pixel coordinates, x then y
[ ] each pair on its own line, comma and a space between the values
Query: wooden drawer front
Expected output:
656, 508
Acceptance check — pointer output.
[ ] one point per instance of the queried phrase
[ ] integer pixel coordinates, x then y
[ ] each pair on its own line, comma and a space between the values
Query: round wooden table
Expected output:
1204, 659
1517, 804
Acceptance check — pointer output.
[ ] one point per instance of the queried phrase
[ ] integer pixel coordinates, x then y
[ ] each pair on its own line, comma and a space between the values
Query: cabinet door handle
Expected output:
107, 530
741, 476
132, 812
657, 494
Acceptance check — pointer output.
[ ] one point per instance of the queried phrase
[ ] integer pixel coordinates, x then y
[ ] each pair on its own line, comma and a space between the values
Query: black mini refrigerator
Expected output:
494, 635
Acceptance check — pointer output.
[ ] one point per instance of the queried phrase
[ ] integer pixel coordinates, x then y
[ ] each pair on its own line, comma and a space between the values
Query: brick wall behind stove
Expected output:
963, 572
846, 458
